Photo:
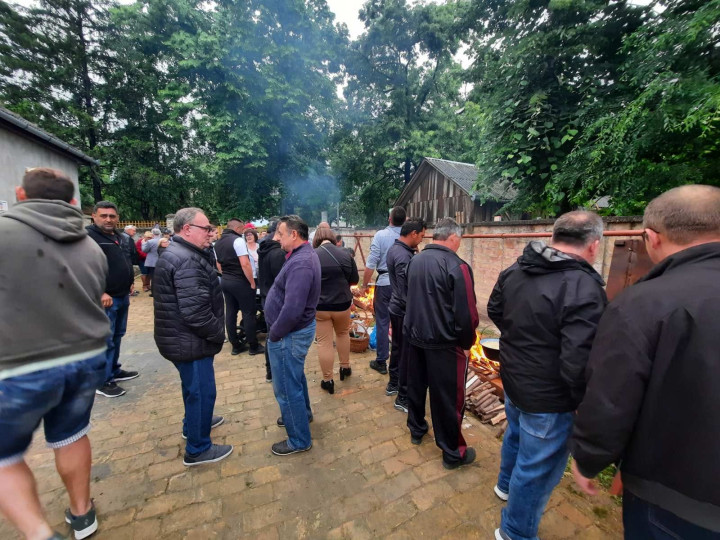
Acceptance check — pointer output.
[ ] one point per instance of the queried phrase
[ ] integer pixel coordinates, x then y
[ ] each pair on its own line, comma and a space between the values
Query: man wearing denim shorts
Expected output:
52, 357
547, 307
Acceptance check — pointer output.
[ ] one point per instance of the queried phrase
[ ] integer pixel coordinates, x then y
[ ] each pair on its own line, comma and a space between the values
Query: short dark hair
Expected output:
272, 225
296, 223
104, 204
685, 213
578, 228
397, 216
234, 220
322, 234
413, 225
48, 184
253, 232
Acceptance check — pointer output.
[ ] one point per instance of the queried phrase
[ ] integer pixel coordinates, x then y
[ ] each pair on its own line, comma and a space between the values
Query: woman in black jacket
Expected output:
339, 271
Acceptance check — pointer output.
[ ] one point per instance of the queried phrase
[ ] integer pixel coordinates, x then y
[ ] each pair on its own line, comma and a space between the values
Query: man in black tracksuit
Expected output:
547, 306
440, 324
238, 286
271, 259
653, 392
398, 257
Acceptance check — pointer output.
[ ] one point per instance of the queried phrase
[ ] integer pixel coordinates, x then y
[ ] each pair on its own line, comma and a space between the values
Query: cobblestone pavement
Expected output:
362, 479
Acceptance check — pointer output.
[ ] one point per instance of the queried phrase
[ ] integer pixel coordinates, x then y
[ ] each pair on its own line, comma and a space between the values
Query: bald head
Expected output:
323, 225
686, 214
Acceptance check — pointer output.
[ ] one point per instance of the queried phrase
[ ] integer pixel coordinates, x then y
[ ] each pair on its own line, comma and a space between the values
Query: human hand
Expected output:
106, 300
586, 485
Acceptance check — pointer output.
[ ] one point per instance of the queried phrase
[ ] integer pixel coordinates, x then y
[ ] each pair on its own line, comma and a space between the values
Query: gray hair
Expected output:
156, 232
128, 227
183, 217
685, 214
578, 228
445, 228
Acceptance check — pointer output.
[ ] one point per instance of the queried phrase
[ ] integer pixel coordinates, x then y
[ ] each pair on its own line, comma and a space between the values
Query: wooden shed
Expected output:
441, 188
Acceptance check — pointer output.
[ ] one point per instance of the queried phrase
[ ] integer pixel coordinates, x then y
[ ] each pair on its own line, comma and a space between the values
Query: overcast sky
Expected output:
346, 11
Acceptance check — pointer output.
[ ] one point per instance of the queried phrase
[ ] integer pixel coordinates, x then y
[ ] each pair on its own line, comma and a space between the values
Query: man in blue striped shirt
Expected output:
377, 260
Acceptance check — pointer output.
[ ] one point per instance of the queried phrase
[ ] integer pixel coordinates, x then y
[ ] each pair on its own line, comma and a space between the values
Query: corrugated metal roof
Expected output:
465, 175
33, 132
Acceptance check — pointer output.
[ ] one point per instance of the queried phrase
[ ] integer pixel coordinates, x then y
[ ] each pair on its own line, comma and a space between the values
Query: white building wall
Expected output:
18, 153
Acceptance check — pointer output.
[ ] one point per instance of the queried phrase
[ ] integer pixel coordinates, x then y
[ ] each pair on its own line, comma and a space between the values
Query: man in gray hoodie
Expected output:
52, 358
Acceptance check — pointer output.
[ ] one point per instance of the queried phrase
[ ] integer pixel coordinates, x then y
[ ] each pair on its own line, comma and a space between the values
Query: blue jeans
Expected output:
642, 519
287, 361
199, 392
62, 397
381, 304
118, 315
533, 458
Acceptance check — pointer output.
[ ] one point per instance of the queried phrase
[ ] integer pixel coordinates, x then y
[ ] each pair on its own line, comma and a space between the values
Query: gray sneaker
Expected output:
217, 452
83, 526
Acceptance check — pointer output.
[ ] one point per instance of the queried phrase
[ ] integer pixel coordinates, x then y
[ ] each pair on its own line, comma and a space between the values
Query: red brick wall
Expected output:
489, 256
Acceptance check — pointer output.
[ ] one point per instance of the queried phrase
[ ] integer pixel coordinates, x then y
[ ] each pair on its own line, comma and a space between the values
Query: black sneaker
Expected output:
416, 440
391, 390
268, 375
469, 458
282, 424
215, 453
123, 375
377, 366
110, 389
283, 449
215, 422
82, 526
237, 350
257, 350
401, 404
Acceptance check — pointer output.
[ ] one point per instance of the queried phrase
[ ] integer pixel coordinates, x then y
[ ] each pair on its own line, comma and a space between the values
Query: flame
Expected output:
365, 301
478, 358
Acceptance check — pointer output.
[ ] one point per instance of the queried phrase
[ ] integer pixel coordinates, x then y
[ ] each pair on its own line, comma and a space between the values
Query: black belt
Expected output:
381, 272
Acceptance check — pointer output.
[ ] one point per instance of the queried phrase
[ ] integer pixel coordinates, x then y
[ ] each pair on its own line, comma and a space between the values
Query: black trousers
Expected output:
239, 296
443, 371
398, 356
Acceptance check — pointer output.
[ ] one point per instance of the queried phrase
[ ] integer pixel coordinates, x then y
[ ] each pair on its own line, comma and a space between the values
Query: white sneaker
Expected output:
501, 494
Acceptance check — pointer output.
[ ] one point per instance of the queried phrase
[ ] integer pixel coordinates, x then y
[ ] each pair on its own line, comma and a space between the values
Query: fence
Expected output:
142, 224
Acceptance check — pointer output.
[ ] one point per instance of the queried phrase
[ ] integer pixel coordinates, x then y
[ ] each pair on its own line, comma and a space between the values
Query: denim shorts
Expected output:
62, 397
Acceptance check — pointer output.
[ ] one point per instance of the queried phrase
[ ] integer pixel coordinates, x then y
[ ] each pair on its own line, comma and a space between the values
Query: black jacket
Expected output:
398, 257
271, 258
653, 397
441, 308
188, 304
339, 271
547, 306
228, 259
120, 253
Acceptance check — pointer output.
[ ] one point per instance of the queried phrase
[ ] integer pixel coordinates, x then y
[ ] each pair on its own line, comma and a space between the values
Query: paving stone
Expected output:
362, 479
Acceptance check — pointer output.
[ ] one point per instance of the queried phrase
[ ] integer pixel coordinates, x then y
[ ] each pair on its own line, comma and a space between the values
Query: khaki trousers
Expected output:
327, 321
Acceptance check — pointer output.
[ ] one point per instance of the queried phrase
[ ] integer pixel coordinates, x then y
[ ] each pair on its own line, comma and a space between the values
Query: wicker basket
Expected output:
359, 344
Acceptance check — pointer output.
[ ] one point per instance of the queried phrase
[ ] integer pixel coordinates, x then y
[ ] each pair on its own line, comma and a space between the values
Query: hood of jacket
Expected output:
539, 258
268, 245
58, 220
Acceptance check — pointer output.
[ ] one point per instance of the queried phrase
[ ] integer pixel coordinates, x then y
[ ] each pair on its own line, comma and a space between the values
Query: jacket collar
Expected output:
403, 244
185, 243
297, 249
229, 232
691, 255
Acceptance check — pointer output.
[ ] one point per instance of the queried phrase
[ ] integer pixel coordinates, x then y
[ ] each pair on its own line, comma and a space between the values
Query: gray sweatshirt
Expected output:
52, 276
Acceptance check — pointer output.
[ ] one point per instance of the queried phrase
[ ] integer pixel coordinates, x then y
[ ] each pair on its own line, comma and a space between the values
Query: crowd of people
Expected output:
581, 377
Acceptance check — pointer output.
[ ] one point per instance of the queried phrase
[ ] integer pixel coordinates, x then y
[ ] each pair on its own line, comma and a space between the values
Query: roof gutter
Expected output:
28, 128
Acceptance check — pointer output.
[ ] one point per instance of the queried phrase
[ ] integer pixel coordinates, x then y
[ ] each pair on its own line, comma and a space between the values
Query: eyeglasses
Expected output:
208, 229
645, 234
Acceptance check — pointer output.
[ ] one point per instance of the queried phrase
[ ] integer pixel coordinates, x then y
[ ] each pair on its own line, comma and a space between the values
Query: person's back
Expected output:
652, 399
338, 271
52, 357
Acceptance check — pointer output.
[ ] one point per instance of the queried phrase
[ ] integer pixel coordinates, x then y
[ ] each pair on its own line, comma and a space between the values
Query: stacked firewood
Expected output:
481, 397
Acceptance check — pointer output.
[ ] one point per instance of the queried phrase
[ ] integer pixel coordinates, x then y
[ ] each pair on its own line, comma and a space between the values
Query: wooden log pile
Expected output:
483, 399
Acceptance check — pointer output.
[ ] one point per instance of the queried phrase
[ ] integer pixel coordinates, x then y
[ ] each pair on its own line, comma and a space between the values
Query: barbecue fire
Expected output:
479, 359
363, 301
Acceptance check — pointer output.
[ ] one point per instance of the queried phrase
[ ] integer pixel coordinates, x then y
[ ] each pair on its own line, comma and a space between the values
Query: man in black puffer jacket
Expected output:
547, 306
189, 328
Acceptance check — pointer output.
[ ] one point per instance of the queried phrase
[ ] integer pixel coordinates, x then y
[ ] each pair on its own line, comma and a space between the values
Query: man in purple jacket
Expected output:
290, 314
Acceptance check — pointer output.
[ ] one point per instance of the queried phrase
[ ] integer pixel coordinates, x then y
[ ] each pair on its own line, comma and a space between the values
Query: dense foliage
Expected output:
234, 105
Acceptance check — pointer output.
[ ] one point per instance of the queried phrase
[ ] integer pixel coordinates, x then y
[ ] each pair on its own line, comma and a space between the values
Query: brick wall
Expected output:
489, 256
